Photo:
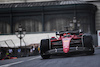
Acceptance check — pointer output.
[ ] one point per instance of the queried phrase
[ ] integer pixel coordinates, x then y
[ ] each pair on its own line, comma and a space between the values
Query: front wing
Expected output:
71, 49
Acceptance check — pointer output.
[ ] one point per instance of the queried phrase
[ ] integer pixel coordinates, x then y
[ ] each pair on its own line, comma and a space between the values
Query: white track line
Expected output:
33, 58
7, 65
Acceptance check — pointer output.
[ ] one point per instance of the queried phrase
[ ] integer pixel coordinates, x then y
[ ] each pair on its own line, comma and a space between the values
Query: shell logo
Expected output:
66, 40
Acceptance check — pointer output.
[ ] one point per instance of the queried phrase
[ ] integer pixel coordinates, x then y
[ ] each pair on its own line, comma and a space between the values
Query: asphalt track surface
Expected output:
76, 60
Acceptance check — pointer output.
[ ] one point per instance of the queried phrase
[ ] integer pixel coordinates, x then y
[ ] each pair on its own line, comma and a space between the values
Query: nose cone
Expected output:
66, 50
66, 44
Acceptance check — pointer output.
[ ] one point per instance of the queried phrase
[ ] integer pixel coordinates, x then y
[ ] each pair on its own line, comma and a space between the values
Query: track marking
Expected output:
7, 65
33, 58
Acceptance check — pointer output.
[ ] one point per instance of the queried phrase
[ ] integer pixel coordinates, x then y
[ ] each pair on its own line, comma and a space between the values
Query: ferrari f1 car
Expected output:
68, 41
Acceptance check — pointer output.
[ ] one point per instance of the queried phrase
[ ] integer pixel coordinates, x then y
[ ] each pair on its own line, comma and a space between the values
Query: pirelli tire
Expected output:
44, 46
88, 42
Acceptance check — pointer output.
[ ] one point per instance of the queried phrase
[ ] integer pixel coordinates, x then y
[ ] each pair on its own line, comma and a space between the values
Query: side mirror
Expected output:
57, 33
80, 31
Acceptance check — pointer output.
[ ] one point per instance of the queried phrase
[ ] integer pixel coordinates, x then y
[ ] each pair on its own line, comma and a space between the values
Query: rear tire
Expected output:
90, 52
44, 46
88, 42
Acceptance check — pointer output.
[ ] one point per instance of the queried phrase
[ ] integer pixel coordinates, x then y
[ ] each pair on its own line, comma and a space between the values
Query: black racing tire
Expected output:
44, 46
90, 52
88, 42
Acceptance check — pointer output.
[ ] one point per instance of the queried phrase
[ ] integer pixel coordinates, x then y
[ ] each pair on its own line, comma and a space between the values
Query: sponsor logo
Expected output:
66, 40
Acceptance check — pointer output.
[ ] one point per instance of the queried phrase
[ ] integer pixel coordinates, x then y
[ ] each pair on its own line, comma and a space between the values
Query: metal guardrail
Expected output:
7, 43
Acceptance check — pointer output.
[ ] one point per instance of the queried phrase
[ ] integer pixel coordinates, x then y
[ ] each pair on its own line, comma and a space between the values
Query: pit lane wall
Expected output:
29, 39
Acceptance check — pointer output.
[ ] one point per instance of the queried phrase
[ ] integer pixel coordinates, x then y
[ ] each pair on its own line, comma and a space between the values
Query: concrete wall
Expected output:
97, 18
21, 1
29, 39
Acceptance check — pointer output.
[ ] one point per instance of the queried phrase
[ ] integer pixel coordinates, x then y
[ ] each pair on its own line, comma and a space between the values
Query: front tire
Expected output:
44, 46
88, 42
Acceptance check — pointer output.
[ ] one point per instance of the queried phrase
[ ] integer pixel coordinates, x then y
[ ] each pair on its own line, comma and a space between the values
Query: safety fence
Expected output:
8, 50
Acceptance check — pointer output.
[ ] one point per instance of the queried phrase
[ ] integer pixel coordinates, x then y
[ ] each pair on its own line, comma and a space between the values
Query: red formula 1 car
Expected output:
67, 42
